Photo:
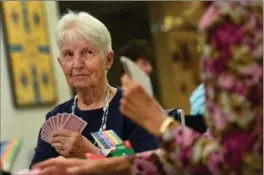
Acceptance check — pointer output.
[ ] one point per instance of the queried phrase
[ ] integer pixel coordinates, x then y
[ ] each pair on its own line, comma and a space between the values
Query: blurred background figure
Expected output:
138, 51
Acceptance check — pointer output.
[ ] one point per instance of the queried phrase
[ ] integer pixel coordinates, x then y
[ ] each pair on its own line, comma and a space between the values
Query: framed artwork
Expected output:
184, 51
28, 53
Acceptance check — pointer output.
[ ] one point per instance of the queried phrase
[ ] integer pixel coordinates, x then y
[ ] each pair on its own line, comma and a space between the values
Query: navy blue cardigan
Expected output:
140, 139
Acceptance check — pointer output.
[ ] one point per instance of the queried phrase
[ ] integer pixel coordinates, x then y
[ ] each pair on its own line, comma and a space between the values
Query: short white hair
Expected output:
73, 26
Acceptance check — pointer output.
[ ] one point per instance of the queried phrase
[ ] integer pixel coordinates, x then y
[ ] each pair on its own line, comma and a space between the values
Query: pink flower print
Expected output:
214, 67
214, 160
258, 35
209, 70
218, 65
208, 18
219, 119
145, 155
207, 135
240, 88
259, 125
253, 75
258, 131
258, 51
211, 106
225, 35
143, 165
235, 144
184, 137
227, 80
247, 2
185, 156
255, 95
258, 147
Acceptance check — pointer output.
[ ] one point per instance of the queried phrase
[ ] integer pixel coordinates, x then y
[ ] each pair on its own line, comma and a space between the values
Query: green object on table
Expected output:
122, 150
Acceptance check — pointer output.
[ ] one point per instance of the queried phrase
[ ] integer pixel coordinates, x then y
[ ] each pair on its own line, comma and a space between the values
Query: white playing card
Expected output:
137, 74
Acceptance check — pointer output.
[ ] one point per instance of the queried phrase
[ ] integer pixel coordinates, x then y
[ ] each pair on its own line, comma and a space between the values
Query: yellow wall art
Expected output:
28, 53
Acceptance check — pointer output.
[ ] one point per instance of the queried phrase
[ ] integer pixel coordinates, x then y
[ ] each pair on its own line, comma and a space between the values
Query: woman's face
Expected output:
83, 64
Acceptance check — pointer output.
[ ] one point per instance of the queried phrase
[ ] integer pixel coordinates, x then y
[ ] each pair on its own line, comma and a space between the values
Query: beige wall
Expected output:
171, 75
25, 123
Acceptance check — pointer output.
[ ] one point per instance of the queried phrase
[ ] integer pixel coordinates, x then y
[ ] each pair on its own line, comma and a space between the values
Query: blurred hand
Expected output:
72, 144
109, 166
54, 166
59, 166
140, 107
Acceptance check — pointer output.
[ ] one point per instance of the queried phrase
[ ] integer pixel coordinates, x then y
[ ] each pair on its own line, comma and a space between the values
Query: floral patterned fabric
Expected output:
233, 77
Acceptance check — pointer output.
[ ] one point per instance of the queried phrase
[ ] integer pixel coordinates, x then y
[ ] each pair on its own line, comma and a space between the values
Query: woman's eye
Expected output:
68, 54
87, 52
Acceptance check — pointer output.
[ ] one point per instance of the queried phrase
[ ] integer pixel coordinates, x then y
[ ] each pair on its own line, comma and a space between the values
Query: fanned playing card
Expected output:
61, 121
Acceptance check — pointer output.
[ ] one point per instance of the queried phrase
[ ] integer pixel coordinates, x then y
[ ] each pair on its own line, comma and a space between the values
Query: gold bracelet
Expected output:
166, 124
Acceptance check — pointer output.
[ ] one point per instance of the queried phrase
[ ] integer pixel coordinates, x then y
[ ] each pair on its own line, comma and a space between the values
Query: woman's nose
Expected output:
78, 62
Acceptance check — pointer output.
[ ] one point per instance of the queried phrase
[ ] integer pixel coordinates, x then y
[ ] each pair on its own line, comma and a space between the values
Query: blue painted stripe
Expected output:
43, 49
15, 48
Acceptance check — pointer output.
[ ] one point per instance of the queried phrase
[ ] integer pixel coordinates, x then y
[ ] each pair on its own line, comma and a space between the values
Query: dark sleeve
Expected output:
44, 150
140, 139
196, 122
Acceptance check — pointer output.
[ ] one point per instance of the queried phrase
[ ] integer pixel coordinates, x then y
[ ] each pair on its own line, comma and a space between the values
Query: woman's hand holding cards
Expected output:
72, 144
63, 132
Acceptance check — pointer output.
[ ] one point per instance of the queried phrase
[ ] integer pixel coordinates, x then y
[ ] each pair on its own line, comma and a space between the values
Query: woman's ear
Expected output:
109, 60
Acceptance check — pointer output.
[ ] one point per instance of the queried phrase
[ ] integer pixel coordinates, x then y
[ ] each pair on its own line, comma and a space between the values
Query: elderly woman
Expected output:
86, 56
234, 108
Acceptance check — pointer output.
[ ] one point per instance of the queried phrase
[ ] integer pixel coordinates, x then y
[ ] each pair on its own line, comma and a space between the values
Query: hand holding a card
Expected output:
63, 132
72, 144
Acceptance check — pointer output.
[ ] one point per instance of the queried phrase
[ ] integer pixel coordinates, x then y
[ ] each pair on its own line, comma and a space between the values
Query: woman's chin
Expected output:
81, 85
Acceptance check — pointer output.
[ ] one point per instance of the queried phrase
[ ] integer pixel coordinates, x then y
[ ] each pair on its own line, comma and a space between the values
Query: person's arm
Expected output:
182, 150
44, 150
234, 110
